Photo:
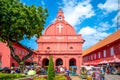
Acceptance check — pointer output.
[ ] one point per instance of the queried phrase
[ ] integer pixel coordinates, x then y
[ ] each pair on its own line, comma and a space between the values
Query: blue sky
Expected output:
94, 19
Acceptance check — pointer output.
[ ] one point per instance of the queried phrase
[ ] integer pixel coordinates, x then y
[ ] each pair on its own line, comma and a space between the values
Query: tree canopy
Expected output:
18, 20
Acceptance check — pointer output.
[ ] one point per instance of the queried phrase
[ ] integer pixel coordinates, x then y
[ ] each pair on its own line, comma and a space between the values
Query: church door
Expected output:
45, 62
72, 65
59, 62
72, 62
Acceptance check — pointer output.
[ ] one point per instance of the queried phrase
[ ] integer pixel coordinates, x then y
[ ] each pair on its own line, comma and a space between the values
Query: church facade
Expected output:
61, 42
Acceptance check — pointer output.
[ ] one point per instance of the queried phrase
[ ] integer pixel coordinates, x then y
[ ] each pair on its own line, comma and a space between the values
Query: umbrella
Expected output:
114, 60
73, 67
103, 62
0, 69
31, 72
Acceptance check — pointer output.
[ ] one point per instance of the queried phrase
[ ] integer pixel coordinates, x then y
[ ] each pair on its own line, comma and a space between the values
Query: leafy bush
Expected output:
38, 78
57, 77
10, 76
60, 77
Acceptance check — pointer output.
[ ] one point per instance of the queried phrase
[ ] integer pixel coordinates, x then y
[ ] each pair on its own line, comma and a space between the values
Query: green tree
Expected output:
51, 72
17, 21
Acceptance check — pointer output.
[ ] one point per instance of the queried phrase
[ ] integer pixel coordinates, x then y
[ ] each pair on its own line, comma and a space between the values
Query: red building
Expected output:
5, 58
61, 41
105, 51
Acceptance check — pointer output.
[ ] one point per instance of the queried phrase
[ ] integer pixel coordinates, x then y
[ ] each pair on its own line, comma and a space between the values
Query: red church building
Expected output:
104, 52
60, 41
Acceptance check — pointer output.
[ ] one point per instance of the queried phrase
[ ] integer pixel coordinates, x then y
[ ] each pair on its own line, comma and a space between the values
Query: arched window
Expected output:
59, 61
45, 62
72, 62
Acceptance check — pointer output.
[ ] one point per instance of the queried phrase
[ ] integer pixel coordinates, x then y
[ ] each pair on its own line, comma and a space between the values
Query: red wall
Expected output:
6, 58
116, 47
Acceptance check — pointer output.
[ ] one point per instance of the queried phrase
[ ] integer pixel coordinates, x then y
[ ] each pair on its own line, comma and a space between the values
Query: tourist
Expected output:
83, 73
12, 70
62, 69
102, 73
58, 70
17, 70
37, 70
97, 74
67, 72
6, 70
42, 71
107, 70
89, 74
118, 71
26, 71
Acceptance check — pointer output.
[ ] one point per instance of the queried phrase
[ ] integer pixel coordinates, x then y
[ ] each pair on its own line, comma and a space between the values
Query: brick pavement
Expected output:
107, 77
75, 78
112, 77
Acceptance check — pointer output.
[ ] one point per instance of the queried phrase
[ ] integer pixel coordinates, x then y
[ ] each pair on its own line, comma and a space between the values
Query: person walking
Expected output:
67, 72
97, 74
102, 73
83, 73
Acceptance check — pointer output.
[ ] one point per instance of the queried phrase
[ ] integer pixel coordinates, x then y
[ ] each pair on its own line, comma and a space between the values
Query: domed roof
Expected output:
60, 26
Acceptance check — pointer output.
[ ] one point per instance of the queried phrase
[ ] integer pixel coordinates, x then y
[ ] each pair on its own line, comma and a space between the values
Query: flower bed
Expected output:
5, 76
57, 77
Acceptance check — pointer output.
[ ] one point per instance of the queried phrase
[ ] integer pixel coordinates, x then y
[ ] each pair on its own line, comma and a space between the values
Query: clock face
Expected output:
59, 17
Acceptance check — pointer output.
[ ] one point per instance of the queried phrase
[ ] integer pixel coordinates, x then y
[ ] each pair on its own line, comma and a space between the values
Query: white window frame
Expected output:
94, 56
87, 58
99, 55
91, 57
112, 53
104, 53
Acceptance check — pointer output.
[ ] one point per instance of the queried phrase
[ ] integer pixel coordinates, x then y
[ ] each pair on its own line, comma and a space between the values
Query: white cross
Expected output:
60, 27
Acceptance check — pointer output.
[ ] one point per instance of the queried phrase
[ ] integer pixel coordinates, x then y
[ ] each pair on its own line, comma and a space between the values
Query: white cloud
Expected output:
75, 12
116, 20
92, 36
42, 2
104, 26
87, 31
109, 5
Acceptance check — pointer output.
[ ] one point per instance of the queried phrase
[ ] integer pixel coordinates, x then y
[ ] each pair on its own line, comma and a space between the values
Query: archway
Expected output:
59, 61
72, 62
45, 62
72, 66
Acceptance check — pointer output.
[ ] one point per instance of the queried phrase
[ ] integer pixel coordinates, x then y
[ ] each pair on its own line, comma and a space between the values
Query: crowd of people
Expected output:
38, 70
12, 70
93, 73
98, 73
